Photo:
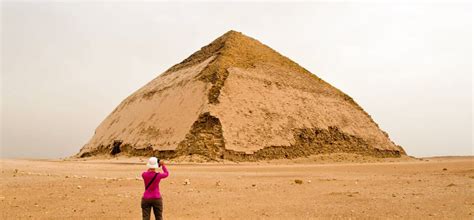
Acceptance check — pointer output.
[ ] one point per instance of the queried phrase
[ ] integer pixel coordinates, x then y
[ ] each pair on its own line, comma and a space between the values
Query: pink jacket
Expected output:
153, 192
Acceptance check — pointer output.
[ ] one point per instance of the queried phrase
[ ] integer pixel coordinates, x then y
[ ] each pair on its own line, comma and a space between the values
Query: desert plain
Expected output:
341, 187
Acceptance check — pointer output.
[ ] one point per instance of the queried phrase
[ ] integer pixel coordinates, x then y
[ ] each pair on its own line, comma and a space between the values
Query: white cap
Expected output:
152, 162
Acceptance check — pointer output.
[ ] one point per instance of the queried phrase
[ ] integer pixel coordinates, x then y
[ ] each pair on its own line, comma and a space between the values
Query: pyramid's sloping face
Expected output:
159, 114
237, 96
263, 106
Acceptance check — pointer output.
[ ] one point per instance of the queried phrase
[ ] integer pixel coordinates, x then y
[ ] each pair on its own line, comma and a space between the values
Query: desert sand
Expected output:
438, 188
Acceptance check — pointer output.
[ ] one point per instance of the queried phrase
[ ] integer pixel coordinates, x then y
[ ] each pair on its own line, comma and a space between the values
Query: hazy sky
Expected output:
66, 66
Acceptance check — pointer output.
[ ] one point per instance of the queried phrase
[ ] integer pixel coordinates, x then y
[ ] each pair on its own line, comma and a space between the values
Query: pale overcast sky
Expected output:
66, 66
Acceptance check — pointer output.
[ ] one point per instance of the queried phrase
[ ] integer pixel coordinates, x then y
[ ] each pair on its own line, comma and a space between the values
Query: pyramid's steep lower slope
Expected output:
238, 99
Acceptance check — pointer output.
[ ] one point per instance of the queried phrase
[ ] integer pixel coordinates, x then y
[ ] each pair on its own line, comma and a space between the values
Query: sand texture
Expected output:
238, 99
432, 188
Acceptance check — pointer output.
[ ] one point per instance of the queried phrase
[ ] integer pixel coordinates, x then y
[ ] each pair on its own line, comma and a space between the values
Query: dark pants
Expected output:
157, 205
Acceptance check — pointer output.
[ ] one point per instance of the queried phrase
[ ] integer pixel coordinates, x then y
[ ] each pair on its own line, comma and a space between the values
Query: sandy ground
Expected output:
438, 188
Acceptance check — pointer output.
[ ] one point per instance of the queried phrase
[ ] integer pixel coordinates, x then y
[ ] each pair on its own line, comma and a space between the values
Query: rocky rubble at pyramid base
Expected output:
309, 141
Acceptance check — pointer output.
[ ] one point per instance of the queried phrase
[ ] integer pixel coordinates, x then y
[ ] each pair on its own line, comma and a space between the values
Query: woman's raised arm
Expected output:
165, 171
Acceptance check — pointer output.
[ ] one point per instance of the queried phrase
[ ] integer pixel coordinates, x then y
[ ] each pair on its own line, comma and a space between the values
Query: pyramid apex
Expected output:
232, 32
237, 49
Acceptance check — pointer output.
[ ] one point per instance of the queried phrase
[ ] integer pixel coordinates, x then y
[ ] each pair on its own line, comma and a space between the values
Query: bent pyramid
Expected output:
238, 99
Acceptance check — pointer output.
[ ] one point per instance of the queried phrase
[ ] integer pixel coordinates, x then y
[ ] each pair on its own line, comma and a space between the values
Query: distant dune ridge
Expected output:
238, 99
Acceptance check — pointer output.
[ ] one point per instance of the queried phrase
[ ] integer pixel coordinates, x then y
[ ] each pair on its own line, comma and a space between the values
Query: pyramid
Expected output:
240, 100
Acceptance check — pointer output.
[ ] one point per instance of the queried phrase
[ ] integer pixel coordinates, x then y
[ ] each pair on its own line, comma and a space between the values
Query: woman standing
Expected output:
151, 196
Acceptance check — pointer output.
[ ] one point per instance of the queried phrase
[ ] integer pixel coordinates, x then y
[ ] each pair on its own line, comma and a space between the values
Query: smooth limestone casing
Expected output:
161, 120
262, 107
